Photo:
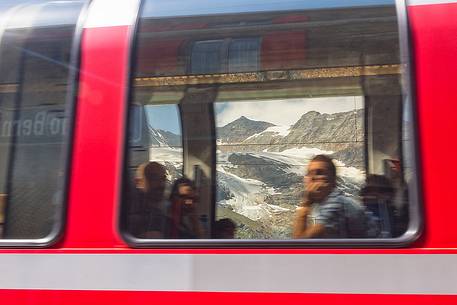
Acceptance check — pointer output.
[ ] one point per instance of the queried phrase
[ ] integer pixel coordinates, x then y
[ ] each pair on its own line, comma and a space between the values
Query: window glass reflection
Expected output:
292, 120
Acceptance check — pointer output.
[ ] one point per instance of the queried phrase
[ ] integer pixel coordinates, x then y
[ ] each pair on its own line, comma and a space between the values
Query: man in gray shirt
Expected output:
325, 211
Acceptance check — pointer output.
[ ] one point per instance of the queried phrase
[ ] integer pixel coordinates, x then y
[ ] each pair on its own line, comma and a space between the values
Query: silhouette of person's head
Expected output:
150, 178
377, 187
224, 229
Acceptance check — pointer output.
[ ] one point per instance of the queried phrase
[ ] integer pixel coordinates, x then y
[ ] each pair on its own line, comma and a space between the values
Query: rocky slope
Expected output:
339, 133
240, 129
163, 138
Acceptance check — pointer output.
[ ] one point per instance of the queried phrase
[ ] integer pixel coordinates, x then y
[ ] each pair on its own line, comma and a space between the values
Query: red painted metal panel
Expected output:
98, 131
122, 249
273, 56
50, 297
433, 29
96, 170
101, 106
99, 128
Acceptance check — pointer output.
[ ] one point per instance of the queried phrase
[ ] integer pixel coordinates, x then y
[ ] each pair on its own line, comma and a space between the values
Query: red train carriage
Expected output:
160, 151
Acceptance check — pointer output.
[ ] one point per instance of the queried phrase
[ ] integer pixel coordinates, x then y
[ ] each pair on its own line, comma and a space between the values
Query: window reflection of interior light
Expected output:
22, 16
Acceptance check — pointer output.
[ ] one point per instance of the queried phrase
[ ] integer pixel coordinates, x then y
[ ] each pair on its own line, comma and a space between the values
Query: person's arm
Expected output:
194, 227
304, 230
197, 230
134, 218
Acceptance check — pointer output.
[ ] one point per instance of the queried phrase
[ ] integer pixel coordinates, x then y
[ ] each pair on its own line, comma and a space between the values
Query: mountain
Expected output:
266, 187
260, 175
240, 129
164, 138
314, 128
268, 170
260, 166
340, 133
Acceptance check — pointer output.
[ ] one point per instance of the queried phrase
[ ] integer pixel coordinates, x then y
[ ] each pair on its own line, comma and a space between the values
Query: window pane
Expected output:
244, 55
35, 114
155, 160
295, 126
206, 57
264, 148
166, 140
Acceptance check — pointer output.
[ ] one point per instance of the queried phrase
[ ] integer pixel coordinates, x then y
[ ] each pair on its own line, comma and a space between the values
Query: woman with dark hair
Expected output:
183, 216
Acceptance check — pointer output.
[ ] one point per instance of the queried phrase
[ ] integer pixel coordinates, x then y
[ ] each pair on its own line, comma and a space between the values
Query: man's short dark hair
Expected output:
330, 165
225, 223
154, 171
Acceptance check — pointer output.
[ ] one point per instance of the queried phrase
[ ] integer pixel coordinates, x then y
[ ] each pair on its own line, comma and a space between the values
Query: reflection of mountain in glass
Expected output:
260, 166
240, 129
163, 138
165, 118
166, 148
341, 133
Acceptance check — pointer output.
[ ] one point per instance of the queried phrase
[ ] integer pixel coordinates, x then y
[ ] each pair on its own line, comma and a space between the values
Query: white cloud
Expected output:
284, 112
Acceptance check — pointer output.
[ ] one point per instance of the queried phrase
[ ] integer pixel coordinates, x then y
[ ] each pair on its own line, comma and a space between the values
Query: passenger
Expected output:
146, 217
378, 197
184, 223
224, 229
325, 212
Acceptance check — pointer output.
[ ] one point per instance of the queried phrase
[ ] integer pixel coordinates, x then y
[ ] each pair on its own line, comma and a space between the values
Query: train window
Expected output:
263, 148
243, 55
295, 125
206, 57
229, 55
37, 53
165, 138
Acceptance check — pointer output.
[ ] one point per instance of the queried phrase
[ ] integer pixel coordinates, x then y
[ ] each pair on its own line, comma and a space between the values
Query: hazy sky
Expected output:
283, 112
165, 117
278, 112
160, 8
